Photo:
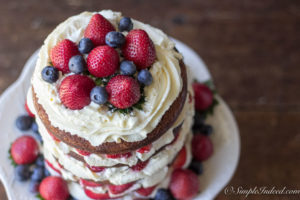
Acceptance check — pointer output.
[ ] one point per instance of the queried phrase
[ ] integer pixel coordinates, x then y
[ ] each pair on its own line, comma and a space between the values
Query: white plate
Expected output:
218, 170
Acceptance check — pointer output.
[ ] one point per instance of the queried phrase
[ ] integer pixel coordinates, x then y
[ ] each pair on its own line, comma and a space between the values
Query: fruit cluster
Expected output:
101, 77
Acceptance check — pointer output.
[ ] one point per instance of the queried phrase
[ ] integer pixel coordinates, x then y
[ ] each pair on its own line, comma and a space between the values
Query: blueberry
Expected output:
77, 64
163, 194
71, 198
34, 127
125, 24
39, 138
38, 174
206, 129
99, 95
50, 74
114, 39
40, 161
196, 167
145, 77
34, 186
22, 172
24, 122
85, 45
46, 172
127, 67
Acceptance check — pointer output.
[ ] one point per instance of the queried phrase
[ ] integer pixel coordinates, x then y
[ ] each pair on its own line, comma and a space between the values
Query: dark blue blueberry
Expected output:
127, 67
206, 129
125, 24
99, 95
145, 77
163, 194
38, 174
22, 172
39, 138
34, 186
114, 39
50, 74
196, 167
24, 122
198, 121
46, 172
77, 64
34, 127
40, 161
85, 45
71, 198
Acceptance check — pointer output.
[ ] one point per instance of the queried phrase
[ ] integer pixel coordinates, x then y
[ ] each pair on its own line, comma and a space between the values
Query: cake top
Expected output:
149, 92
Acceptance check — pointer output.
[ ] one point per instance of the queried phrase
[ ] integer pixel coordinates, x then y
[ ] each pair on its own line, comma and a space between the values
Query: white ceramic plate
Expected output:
218, 170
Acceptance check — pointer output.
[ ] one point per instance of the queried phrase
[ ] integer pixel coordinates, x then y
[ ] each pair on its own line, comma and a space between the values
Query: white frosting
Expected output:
93, 122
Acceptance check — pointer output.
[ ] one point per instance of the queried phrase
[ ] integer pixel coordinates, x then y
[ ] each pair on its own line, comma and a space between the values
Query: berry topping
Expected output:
184, 184
139, 48
146, 191
24, 150
85, 45
96, 196
114, 156
125, 24
117, 189
202, 147
127, 68
206, 129
163, 194
99, 95
22, 172
37, 174
40, 161
28, 110
61, 54
50, 74
140, 166
180, 159
115, 39
95, 168
83, 153
103, 61
54, 187
145, 149
74, 91
97, 29
24, 122
87, 183
203, 96
196, 167
145, 77
77, 64
123, 91
34, 127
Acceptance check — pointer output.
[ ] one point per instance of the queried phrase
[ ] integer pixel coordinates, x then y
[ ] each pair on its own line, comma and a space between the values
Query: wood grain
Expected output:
252, 49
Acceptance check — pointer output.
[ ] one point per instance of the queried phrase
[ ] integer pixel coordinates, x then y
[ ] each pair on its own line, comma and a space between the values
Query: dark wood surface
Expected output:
251, 47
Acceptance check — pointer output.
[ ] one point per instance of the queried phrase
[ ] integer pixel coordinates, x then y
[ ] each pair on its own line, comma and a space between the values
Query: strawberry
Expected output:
202, 147
95, 168
87, 183
97, 29
97, 196
139, 48
53, 137
24, 150
52, 167
28, 110
140, 166
180, 159
203, 96
114, 156
146, 191
184, 184
118, 189
74, 91
54, 188
145, 149
83, 153
61, 53
123, 91
103, 61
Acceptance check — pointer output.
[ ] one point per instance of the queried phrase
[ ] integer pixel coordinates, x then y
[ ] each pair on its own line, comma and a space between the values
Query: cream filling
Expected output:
94, 123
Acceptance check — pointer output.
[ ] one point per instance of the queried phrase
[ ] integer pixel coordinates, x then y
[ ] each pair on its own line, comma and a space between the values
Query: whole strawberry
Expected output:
139, 48
24, 150
54, 188
202, 147
203, 96
97, 29
61, 53
123, 91
103, 61
74, 91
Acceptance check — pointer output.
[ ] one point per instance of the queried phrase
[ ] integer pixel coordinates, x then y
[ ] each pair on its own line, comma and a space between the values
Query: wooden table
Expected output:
252, 49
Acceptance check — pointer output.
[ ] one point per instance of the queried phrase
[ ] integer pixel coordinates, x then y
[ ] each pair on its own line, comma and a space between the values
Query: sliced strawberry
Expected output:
97, 196
52, 167
28, 110
53, 137
124, 155
202, 147
180, 159
95, 169
203, 96
83, 153
74, 91
103, 61
97, 29
87, 183
176, 136
146, 191
140, 166
139, 48
145, 149
54, 188
61, 53
118, 189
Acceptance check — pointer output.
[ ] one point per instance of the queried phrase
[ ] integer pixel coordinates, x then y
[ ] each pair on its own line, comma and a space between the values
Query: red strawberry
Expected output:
83, 153
24, 150
87, 183
180, 159
146, 191
96, 196
118, 189
145, 149
97, 29
184, 184
95, 168
28, 110
140, 166
123, 91
103, 61
54, 188
61, 53
139, 48
74, 91
203, 96
53, 137
52, 167
114, 156
202, 147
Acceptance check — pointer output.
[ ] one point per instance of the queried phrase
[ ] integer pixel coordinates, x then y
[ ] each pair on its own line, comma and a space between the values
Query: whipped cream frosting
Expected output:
94, 123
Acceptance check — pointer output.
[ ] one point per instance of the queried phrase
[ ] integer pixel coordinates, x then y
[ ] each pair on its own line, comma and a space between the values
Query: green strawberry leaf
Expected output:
38, 196
12, 162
